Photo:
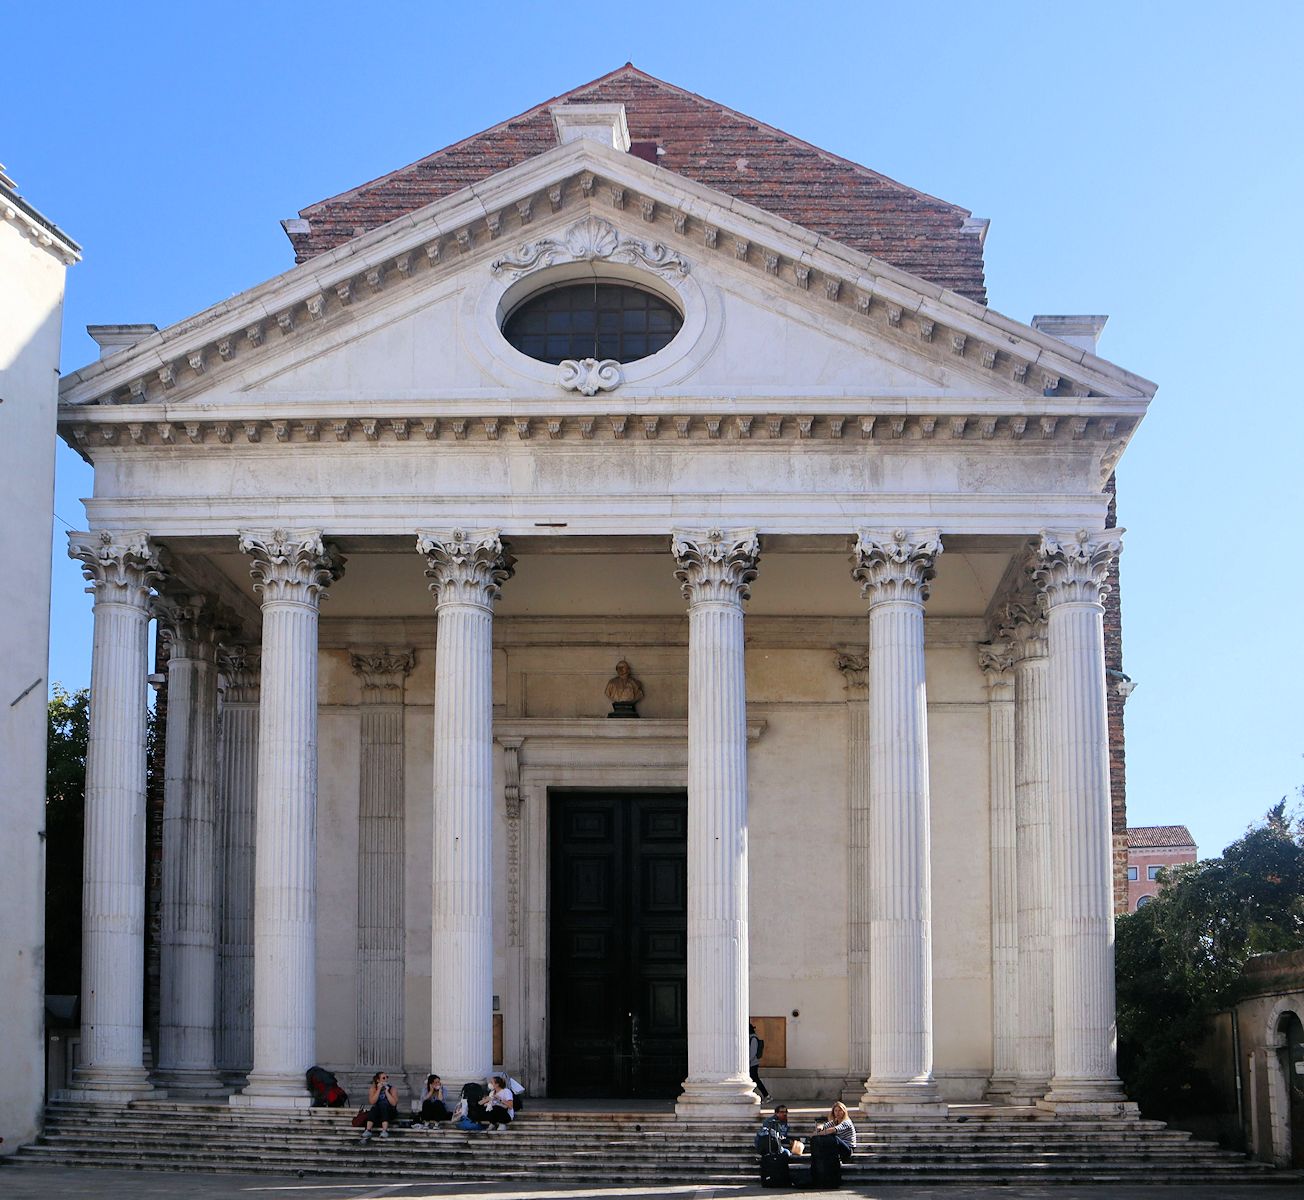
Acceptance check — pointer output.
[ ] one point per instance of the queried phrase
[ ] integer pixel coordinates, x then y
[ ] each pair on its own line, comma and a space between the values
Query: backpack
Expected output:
325, 1089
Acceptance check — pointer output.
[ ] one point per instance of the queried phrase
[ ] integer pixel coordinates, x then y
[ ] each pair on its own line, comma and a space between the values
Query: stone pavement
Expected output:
45, 1183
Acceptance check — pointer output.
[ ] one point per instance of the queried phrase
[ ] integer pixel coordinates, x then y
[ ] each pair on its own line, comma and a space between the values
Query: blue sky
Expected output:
1136, 159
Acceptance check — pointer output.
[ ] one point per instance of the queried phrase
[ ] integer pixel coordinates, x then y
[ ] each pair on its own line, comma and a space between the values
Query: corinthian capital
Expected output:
895, 564
1023, 626
192, 624
1072, 567
241, 668
465, 567
383, 673
716, 564
291, 564
121, 568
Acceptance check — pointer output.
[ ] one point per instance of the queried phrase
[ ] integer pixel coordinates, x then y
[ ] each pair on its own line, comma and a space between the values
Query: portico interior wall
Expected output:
798, 828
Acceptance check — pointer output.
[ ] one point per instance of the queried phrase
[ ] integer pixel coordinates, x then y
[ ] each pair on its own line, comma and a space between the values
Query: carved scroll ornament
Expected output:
588, 376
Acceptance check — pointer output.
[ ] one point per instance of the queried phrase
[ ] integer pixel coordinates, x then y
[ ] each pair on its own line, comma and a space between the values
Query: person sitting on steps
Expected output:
383, 1098
839, 1129
499, 1105
433, 1108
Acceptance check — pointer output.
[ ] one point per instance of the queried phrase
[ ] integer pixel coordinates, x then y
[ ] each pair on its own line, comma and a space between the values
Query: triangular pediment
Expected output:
824, 321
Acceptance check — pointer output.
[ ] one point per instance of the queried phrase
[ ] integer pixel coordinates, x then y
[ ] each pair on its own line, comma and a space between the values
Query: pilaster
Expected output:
715, 571
121, 569
1071, 568
237, 808
997, 663
379, 975
188, 909
466, 570
894, 567
855, 674
291, 570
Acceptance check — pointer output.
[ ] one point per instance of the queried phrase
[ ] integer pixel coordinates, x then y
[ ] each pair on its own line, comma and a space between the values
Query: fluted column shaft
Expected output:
466, 571
1072, 569
120, 569
1026, 628
996, 661
715, 571
237, 807
894, 569
188, 910
379, 986
855, 671
291, 571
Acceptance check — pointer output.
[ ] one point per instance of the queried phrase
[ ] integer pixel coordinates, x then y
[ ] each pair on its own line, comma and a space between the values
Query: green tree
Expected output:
65, 802
1180, 958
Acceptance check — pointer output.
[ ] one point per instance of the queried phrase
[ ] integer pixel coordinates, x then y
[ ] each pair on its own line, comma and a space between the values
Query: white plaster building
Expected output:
34, 256
848, 525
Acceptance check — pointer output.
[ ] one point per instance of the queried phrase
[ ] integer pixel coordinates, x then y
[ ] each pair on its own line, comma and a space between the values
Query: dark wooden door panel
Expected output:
619, 914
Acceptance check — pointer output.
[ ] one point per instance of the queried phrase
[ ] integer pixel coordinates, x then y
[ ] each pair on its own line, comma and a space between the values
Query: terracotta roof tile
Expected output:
708, 143
1151, 837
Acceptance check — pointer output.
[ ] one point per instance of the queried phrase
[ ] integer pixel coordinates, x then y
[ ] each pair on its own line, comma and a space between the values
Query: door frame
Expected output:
567, 754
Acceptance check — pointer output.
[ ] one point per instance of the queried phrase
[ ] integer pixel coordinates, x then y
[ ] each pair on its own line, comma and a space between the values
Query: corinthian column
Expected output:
188, 910
715, 572
996, 662
1071, 568
120, 568
894, 569
379, 976
237, 793
1025, 630
291, 570
466, 572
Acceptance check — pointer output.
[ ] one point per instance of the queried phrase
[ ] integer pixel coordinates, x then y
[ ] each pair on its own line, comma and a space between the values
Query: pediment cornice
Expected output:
493, 219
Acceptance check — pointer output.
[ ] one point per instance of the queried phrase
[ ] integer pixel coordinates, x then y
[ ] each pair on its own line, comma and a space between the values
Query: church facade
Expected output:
623, 582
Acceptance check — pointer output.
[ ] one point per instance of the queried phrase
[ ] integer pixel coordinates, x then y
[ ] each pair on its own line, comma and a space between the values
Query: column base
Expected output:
110, 1085
183, 1084
272, 1090
887, 1100
1001, 1090
1088, 1098
853, 1087
1029, 1091
731, 1099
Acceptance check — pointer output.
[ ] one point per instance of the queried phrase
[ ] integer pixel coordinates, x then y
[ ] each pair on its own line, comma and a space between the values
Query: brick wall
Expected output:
1114, 709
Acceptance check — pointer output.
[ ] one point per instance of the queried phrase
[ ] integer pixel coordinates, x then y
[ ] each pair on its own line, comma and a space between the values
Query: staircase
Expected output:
1001, 1146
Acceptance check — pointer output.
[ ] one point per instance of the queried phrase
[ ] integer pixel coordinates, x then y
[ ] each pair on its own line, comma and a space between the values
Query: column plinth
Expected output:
291, 572
1072, 569
120, 569
188, 909
715, 571
894, 568
466, 572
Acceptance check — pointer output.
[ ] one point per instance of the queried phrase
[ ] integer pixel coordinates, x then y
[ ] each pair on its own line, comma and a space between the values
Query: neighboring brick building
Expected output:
1150, 848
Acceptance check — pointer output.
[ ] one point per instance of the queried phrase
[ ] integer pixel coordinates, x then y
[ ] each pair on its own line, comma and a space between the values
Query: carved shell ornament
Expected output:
589, 240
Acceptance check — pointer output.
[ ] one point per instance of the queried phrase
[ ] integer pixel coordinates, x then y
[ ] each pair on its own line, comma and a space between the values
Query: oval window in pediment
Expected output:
592, 319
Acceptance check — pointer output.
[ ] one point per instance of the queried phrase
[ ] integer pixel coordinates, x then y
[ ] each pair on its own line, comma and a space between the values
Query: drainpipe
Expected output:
1236, 1065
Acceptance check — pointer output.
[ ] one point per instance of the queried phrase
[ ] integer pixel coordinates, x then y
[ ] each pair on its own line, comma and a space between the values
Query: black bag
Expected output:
825, 1163
774, 1171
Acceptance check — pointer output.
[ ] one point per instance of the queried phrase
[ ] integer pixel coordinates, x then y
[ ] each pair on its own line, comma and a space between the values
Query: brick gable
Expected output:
703, 141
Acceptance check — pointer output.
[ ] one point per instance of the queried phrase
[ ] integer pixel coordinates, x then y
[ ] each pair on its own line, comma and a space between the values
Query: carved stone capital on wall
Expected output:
241, 668
383, 673
995, 658
855, 670
589, 240
191, 624
716, 565
1071, 568
121, 568
588, 376
895, 564
291, 565
465, 566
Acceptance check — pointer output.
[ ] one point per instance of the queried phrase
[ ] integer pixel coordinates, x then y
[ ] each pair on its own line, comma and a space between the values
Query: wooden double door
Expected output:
618, 992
